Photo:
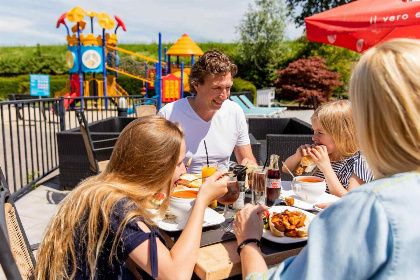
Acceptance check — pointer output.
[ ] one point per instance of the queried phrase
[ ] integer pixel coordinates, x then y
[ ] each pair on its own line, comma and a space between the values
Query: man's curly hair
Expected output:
212, 62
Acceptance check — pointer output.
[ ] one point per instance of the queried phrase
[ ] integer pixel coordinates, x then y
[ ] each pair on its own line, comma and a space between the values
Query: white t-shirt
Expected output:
227, 129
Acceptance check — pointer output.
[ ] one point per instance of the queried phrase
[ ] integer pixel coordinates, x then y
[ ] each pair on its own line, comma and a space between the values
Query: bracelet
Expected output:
247, 241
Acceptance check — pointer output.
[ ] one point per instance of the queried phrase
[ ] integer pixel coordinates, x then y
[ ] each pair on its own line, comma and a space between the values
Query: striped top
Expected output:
356, 164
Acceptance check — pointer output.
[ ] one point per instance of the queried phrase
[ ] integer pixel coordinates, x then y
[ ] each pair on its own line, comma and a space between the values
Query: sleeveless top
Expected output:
131, 237
356, 164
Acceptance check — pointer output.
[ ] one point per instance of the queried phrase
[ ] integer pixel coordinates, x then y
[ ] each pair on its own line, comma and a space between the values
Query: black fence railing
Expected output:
28, 132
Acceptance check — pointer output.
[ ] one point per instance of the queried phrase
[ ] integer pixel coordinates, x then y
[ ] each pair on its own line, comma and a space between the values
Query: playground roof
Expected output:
185, 46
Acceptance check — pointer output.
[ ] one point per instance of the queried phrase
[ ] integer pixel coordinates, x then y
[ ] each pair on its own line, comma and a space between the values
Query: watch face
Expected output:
69, 59
91, 59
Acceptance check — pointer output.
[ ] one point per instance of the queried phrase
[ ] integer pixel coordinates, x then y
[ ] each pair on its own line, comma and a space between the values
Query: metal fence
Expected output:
28, 132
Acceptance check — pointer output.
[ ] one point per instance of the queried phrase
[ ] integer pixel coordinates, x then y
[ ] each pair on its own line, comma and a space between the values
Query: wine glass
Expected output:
231, 196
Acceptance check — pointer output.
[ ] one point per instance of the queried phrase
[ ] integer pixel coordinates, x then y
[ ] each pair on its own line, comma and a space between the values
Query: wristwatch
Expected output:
247, 241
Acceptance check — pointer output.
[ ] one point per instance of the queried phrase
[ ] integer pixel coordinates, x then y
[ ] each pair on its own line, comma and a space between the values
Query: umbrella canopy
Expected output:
185, 46
362, 24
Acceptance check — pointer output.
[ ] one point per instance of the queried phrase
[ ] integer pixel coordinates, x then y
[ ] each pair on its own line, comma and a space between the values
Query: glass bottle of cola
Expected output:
273, 181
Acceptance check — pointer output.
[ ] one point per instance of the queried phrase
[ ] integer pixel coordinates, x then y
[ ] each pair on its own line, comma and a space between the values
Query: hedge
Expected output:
240, 85
20, 84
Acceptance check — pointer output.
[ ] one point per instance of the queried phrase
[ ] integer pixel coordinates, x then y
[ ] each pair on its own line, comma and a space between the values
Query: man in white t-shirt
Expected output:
210, 115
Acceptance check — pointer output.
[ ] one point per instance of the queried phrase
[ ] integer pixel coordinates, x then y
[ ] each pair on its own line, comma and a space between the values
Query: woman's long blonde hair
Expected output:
142, 163
385, 93
335, 117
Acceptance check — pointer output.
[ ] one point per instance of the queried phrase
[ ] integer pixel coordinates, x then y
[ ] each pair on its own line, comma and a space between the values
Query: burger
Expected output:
190, 180
307, 165
289, 223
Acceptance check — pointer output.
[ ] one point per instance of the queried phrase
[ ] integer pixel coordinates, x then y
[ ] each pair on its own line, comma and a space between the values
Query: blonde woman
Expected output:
371, 232
335, 152
106, 220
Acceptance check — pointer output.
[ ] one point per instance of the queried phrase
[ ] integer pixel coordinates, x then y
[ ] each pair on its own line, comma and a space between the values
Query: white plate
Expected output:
211, 218
286, 240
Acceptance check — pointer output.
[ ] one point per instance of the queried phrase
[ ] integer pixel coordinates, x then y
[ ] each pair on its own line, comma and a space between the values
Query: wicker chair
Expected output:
256, 150
16, 257
145, 107
95, 166
285, 145
146, 110
261, 127
281, 136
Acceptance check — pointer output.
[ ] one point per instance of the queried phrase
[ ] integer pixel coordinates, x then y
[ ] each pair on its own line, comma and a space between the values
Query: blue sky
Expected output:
26, 23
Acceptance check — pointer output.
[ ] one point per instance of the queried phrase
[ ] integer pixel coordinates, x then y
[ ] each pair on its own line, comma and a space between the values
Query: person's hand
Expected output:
247, 161
214, 187
248, 222
304, 150
320, 156
323, 205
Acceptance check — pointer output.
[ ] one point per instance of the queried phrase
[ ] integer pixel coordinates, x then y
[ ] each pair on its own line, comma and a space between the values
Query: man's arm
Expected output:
244, 155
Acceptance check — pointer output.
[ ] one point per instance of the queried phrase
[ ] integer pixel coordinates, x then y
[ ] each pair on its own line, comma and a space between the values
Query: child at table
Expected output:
335, 152
107, 219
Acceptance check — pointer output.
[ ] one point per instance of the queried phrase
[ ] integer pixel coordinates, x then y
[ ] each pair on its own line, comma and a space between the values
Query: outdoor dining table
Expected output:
217, 257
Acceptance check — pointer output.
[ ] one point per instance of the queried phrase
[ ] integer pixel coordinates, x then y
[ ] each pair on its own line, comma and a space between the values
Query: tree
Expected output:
300, 9
308, 81
338, 59
261, 35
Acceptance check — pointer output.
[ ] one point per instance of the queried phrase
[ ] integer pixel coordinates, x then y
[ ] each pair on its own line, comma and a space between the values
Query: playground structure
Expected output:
90, 54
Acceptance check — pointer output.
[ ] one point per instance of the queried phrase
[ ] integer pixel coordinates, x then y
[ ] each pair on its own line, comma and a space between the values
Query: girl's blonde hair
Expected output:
335, 117
385, 93
142, 163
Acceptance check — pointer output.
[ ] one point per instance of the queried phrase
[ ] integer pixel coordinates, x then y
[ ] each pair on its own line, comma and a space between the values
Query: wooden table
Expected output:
220, 260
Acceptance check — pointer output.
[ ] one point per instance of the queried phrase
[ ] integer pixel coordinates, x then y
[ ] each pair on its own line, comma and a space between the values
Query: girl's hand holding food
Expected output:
304, 150
320, 157
214, 187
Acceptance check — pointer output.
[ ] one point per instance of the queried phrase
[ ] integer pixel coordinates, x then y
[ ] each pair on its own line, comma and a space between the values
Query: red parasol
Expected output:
362, 24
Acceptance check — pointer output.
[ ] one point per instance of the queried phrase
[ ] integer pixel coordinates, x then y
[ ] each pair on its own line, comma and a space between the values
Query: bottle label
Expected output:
274, 183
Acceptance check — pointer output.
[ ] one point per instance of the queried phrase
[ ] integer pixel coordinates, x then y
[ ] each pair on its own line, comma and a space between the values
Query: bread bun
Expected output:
308, 162
190, 180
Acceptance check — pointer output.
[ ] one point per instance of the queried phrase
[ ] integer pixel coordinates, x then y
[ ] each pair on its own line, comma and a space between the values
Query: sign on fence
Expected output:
40, 85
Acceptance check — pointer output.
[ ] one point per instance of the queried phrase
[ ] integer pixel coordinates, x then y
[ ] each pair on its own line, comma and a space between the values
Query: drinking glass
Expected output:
259, 181
231, 196
206, 171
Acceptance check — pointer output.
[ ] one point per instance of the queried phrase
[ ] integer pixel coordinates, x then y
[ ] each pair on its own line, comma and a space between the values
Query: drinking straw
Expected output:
207, 154
265, 163
288, 169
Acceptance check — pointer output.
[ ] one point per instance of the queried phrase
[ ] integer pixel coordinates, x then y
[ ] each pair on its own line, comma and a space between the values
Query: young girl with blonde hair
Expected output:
106, 220
335, 152
371, 232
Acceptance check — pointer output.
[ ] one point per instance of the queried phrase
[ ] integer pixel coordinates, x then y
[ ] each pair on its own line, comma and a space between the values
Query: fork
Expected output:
229, 227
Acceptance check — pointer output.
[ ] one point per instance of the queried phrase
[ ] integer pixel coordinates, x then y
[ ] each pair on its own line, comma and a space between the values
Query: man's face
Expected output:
214, 91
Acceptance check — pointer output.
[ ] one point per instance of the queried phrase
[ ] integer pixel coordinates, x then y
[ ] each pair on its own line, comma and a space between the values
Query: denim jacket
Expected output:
371, 232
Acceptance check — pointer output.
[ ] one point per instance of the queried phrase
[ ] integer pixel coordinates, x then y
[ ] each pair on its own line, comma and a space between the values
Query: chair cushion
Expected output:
17, 244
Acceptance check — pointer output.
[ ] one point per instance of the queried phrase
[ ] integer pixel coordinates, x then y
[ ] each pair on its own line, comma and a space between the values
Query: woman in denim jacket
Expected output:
371, 231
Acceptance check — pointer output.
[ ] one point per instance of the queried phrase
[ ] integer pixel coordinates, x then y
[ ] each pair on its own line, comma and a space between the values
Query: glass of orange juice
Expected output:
206, 171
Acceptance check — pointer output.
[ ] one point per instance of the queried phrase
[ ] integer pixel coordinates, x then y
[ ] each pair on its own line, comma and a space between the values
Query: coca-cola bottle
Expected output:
273, 181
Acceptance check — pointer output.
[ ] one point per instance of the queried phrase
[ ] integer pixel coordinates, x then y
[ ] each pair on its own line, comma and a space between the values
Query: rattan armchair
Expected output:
16, 257
145, 107
281, 136
95, 166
